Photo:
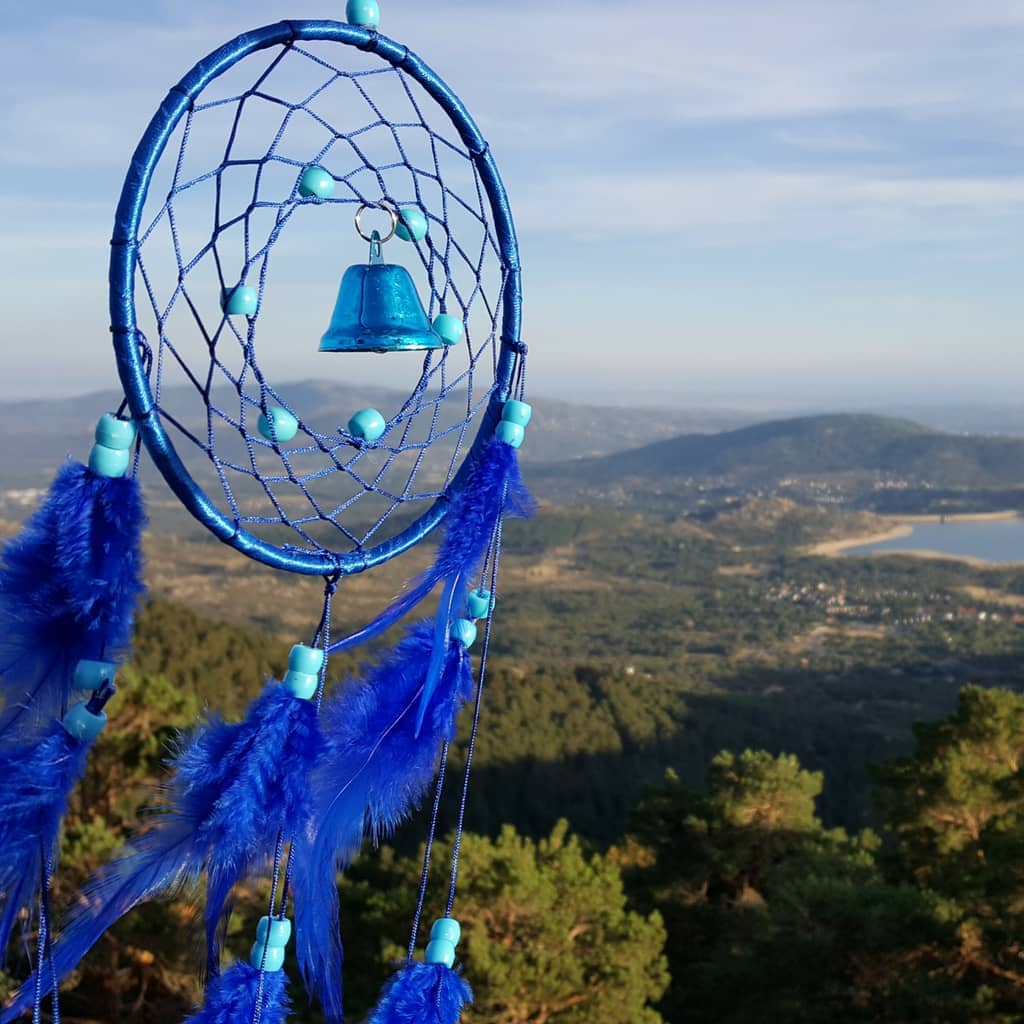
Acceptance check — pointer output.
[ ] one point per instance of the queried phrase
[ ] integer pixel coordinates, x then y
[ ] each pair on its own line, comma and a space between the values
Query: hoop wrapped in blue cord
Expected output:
131, 238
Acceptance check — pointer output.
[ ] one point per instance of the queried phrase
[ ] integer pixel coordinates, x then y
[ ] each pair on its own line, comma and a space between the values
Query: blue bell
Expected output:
378, 310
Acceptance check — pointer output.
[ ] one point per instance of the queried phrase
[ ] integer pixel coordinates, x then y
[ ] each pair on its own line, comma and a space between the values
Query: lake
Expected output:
995, 540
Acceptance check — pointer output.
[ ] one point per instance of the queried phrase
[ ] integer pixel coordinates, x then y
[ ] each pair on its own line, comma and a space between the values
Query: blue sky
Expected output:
806, 202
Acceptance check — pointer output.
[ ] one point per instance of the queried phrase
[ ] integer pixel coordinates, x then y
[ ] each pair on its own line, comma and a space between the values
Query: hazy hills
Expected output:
837, 457
651, 460
39, 434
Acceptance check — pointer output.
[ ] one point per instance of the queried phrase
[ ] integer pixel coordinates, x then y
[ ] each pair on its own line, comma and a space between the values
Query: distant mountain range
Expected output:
39, 434
836, 457
646, 459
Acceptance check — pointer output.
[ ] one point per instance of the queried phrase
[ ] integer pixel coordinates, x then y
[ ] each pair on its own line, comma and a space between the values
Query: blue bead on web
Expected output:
225, 210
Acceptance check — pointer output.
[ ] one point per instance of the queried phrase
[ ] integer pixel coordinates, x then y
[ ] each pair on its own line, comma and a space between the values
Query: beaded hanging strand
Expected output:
69, 583
275, 929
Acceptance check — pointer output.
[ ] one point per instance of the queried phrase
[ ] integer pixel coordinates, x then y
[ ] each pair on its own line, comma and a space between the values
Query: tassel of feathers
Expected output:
236, 788
36, 783
243, 994
372, 775
384, 734
423, 994
69, 583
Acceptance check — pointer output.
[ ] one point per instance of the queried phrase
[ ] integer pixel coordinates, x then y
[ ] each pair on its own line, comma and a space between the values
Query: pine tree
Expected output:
547, 935
957, 806
773, 917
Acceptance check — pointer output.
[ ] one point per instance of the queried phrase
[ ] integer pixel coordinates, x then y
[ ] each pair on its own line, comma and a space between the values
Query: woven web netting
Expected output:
224, 210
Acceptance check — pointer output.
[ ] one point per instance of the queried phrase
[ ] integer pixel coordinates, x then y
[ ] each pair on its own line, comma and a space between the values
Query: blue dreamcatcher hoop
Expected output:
244, 188
401, 162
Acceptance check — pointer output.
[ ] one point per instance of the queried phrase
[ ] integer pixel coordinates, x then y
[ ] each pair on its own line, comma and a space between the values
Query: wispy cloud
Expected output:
577, 62
790, 205
848, 123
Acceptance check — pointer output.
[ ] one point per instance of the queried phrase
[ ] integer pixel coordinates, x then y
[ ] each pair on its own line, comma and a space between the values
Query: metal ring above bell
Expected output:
393, 213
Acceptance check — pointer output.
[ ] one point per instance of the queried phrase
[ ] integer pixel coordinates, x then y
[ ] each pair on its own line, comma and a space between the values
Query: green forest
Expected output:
727, 902
718, 779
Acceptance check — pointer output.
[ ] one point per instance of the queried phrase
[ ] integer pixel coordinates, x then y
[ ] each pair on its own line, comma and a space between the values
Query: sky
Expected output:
803, 202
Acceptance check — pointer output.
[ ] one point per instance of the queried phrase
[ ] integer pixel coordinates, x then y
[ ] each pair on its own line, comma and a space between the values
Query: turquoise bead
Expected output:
510, 433
441, 952
302, 684
478, 604
81, 723
412, 225
240, 301
109, 462
367, 425
115, 433
279, 929
464, 631
315, 181
447, 929
278, 425
517, 412
270, 958
306, 659
449, 329
364, 13
91, 675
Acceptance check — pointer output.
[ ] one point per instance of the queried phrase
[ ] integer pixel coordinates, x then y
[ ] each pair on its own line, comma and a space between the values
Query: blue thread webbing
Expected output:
477, 277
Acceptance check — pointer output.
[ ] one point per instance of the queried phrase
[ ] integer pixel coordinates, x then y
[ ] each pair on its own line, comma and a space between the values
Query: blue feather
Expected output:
69, 583
439, 650
372, 776
423, 994
236, 787
35, 784
232, 998
494, 490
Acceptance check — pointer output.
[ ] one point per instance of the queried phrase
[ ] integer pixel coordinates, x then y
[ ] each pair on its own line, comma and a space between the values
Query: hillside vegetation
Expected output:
725, 897
699, 793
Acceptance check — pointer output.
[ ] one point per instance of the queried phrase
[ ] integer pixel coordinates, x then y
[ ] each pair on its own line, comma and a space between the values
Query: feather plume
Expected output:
35, 783
241, 995
69, 583
423, 994
439, 649
371, 777
236, 787
494, 490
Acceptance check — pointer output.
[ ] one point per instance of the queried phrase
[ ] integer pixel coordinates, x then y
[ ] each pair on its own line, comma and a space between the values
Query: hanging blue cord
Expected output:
471, 747
257, 1012
421, 898
282, 879
44, 949
322, 636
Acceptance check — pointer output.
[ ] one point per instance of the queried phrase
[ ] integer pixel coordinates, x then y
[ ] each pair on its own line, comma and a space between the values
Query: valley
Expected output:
702, 603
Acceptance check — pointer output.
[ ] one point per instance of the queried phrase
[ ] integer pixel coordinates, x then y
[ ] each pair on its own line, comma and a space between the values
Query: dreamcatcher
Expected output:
290, 145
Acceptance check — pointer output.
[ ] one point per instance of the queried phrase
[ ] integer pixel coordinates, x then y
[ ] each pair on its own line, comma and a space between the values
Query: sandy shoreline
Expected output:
903, 526
833, 548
